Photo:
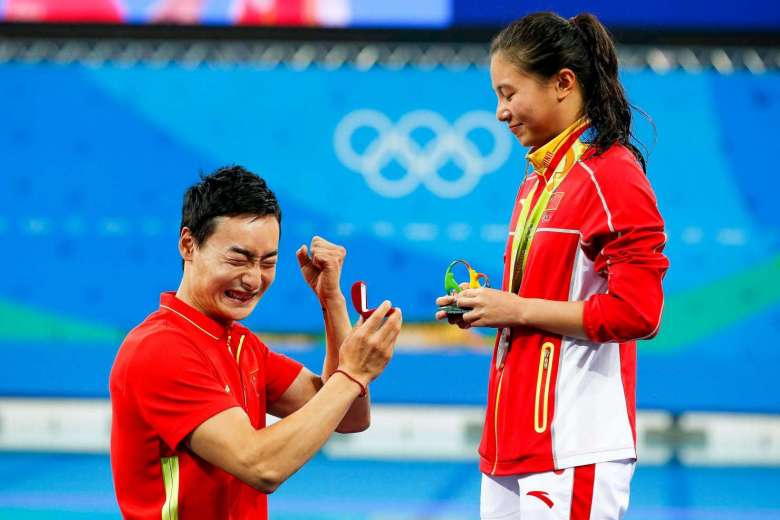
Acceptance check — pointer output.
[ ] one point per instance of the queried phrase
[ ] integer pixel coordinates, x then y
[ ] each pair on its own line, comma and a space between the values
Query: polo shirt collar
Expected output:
197, 319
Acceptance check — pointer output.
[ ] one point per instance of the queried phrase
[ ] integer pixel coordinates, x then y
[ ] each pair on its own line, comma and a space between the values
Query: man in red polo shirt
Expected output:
190, 386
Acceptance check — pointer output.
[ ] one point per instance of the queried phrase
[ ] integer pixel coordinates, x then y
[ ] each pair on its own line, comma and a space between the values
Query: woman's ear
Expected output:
565, 83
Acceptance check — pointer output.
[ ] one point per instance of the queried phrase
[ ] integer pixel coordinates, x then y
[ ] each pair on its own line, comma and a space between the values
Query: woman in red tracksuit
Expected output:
582, 280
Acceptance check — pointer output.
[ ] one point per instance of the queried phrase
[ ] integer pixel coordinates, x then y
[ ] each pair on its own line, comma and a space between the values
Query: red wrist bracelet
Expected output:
363, 391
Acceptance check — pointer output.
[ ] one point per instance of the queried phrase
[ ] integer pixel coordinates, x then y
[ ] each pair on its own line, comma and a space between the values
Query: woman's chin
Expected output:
523, 137
530, 140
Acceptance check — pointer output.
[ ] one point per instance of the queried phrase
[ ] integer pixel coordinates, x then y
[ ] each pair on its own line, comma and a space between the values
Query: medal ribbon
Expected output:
531, 214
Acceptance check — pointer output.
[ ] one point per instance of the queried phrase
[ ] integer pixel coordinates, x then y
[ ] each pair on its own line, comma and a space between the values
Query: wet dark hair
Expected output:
544, 43
226, 192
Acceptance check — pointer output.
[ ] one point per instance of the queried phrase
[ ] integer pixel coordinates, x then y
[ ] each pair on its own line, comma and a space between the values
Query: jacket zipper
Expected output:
541, 401
495, 420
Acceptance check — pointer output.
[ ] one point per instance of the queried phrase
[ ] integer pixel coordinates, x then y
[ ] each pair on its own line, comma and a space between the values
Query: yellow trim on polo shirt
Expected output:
170, 473
192, 322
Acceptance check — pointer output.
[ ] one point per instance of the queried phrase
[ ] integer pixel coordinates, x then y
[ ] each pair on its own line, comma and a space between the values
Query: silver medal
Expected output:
503, 348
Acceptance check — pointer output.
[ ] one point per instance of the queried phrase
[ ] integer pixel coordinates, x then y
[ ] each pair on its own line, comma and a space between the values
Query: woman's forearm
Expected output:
558, 317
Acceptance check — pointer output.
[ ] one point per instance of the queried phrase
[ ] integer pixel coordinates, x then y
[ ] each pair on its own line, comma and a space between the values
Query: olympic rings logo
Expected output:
422, 163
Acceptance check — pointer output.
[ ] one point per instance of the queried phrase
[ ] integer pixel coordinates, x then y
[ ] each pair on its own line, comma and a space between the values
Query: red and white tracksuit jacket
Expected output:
560, 402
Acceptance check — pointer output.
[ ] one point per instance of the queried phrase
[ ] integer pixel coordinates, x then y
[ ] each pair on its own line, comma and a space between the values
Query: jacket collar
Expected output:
540, 157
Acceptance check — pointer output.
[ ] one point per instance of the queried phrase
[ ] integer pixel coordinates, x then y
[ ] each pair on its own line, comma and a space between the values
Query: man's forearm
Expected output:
337, 328
282, 448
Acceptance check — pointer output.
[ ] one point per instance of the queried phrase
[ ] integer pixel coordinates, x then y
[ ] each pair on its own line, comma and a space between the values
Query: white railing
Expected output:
418, 432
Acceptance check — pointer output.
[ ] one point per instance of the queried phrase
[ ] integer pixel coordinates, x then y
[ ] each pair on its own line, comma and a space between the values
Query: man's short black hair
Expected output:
227, 192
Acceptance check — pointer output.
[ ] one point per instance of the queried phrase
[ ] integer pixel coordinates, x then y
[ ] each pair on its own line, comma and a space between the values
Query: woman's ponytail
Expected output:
545, 43
605, 100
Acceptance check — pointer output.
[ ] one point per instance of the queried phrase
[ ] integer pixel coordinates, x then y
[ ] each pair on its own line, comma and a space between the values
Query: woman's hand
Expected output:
455, 319
489, 308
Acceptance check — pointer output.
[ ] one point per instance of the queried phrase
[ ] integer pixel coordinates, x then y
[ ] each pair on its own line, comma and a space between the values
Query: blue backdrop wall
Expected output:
407, 168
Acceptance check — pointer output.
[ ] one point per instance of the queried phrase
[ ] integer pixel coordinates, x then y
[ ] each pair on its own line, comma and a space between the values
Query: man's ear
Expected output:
186, 244
565, 83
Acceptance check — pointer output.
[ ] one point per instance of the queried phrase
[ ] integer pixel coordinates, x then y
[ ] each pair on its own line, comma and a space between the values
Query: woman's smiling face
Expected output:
530, 106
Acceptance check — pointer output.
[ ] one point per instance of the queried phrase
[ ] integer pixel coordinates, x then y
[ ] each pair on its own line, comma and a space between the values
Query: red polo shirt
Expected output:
172, 372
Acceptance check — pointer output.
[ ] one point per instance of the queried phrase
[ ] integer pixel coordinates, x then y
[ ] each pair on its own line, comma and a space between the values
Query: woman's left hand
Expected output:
490, 307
